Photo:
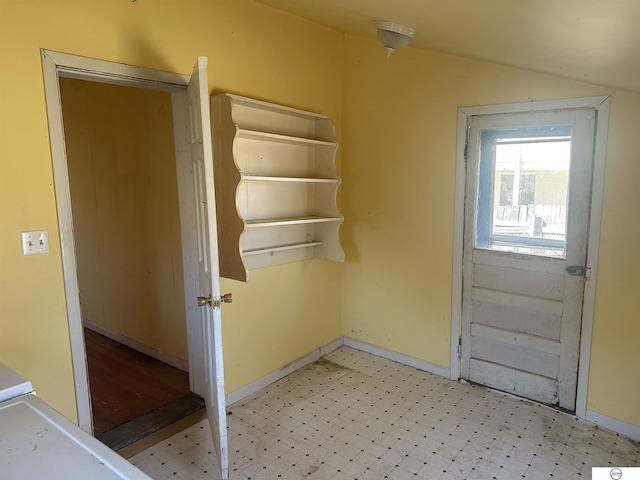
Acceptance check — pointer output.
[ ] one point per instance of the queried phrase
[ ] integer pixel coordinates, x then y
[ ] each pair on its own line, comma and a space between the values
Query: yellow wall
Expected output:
126, 221
399, 151
396, 123
284, 312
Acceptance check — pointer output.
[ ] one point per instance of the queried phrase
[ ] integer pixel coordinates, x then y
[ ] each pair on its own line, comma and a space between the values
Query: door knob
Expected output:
202, 301
575, 270
208, 300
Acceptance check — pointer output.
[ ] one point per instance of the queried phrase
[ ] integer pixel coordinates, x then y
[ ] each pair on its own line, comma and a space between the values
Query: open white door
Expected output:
209, 299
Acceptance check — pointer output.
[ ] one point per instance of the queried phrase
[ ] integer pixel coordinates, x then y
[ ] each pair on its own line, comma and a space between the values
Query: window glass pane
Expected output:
506, 189
522, 194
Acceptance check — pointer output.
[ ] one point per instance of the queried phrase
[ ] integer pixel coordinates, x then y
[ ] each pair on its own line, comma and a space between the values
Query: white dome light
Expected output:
393, 35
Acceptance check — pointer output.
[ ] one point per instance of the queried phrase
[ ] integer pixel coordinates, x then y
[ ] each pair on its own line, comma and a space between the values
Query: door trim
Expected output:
602, 105
54, 66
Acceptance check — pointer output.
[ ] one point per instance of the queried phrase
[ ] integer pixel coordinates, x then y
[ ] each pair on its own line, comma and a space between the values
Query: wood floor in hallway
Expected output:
126, 384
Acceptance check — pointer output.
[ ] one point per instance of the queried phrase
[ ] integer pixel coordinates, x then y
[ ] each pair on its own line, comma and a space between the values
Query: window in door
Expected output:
523, 184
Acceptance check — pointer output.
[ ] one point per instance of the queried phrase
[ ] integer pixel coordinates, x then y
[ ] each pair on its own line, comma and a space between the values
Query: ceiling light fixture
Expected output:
393, 35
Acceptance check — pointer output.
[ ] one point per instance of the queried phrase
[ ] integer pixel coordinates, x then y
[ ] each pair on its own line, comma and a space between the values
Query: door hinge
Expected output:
466, 138
459, 347
587, 281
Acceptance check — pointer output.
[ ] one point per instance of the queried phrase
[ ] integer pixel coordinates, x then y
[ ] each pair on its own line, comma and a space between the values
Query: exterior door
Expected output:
528, 197
209, 299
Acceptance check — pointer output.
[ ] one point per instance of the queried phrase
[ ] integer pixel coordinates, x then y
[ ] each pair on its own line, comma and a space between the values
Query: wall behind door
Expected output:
283, 312
124, 196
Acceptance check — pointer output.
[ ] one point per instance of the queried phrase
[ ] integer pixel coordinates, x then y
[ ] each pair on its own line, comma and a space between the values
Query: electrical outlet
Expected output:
35, 242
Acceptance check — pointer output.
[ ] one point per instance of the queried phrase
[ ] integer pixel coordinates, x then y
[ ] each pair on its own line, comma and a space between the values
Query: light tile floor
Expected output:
353, 415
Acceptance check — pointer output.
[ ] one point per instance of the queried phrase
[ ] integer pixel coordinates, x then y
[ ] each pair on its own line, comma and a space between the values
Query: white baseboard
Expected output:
163, 357
398, 357
615, 425
276, 375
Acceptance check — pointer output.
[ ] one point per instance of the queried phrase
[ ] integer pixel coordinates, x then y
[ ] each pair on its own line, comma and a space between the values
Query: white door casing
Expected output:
500, 286
55, 65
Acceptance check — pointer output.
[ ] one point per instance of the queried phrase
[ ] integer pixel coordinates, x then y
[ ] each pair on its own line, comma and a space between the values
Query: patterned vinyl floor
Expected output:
353, 415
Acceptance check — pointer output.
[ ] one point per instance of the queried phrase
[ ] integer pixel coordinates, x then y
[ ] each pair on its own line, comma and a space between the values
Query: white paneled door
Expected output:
209, 299
527, 210
194, 168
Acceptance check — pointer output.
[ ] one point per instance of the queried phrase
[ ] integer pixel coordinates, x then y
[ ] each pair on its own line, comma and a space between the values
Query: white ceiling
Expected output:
596, 41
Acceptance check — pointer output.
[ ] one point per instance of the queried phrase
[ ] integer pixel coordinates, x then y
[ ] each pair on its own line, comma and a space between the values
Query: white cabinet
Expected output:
276, 185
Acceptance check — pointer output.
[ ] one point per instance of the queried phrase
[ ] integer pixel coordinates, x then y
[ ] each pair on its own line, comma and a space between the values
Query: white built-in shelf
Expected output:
256, 178
274, 137
276, 185
281, 222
